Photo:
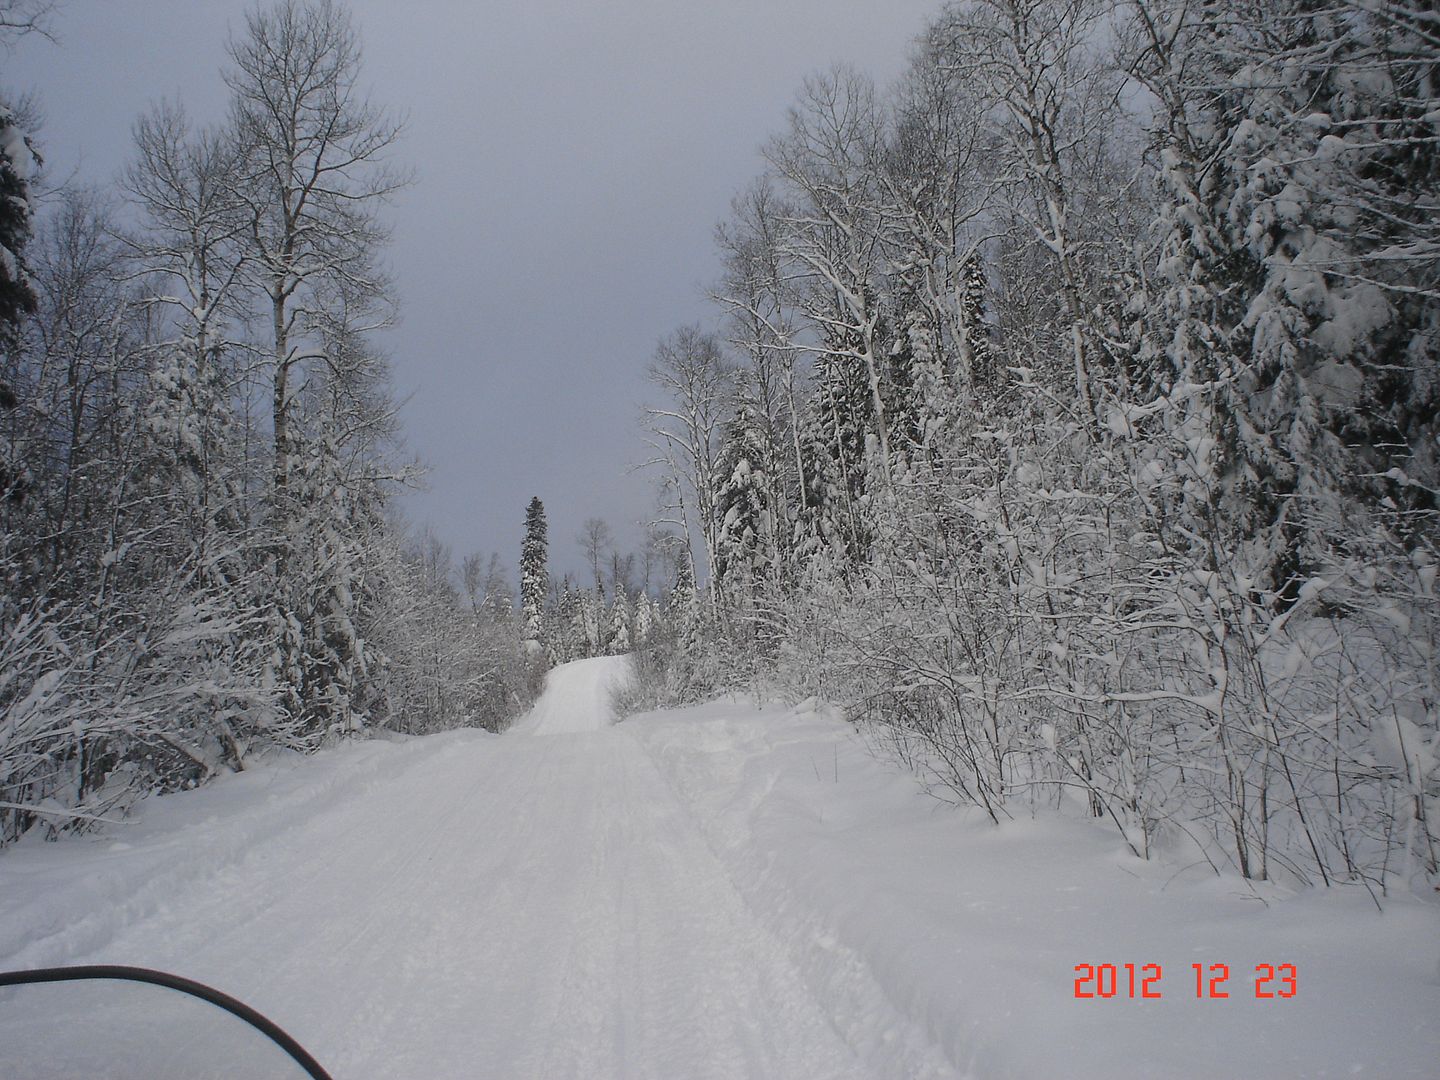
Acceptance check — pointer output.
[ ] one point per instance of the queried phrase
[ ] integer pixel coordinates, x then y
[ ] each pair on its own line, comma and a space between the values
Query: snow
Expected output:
974, 931
576, 697
15, 149
722, 891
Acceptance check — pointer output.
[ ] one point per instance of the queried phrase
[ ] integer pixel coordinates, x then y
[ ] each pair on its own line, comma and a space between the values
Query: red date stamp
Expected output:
1142, 982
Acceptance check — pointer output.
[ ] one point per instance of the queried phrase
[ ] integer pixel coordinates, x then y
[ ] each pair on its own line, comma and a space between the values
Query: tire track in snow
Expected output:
890, 1042
513, 907
56, 925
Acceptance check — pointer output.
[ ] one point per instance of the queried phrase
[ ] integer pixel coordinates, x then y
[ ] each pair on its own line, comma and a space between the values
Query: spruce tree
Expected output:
590, 628
984, 364
17, 297
534, 578
619, 637
644, 620
836, 442
904, 383
1295, 316
745, 494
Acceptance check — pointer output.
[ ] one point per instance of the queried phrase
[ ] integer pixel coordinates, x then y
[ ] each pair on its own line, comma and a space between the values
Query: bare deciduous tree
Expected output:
1048, 92
691, 370
313, 170
595, 542
21, 17
839, 226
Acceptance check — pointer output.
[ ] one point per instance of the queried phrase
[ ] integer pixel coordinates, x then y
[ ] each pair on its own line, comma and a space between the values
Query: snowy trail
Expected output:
721, 891
512, 907
576, 698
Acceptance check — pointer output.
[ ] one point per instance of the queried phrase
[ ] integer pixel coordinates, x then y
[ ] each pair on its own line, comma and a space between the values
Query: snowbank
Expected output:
974, 931
59, 901
713, 892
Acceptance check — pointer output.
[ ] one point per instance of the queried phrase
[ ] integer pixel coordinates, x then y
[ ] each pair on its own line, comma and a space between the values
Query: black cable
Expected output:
174, 982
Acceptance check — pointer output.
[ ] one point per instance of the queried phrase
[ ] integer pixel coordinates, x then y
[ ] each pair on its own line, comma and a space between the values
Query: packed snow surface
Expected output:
576, 697
723, 891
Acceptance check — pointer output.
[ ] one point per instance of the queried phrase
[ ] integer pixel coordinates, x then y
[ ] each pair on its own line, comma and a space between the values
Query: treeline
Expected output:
637, 605
1072, 420
199, 546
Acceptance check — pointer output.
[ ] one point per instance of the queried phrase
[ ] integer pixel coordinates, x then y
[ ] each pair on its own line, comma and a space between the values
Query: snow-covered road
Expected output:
719, 891
537, 905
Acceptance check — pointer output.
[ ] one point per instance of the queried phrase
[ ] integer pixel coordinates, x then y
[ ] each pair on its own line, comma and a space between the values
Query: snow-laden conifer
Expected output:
534, 572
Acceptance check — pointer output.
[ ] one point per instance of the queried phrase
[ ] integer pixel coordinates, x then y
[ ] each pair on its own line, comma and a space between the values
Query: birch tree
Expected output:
312, 152
311, 176
1047, 94
838, 224
684, 430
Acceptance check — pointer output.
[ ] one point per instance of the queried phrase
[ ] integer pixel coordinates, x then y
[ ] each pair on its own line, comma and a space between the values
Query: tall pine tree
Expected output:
534, 577
17, 298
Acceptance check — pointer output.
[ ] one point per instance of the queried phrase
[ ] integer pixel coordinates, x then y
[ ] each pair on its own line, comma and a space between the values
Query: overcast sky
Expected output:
571, 162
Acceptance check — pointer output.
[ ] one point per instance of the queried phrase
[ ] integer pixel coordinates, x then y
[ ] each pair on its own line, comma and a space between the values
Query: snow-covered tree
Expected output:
17, 295
1049, 95
838, 226
759, 297
449, 659
310, 176
618, 636
1115, 463
644, 621
748, 501
17, 160
534, 572
840, 469
591, 625
684, 430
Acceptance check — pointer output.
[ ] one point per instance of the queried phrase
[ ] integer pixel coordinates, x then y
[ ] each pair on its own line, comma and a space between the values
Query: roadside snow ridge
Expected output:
576, 697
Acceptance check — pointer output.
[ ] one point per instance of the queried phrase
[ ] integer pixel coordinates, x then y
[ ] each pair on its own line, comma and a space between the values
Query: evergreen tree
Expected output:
17, 297
1297, 318
569, 623
534, 575
326, 597
747, 502
591, 628
905, 379
619, 641
976, 327
644, 620
836, 443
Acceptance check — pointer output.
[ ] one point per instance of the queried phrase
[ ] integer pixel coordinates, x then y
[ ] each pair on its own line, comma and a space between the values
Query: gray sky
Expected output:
572, 160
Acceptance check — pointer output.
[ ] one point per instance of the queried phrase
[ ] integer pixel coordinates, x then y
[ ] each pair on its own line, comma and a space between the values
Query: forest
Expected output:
1067, 416
199, 543
1070, 416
